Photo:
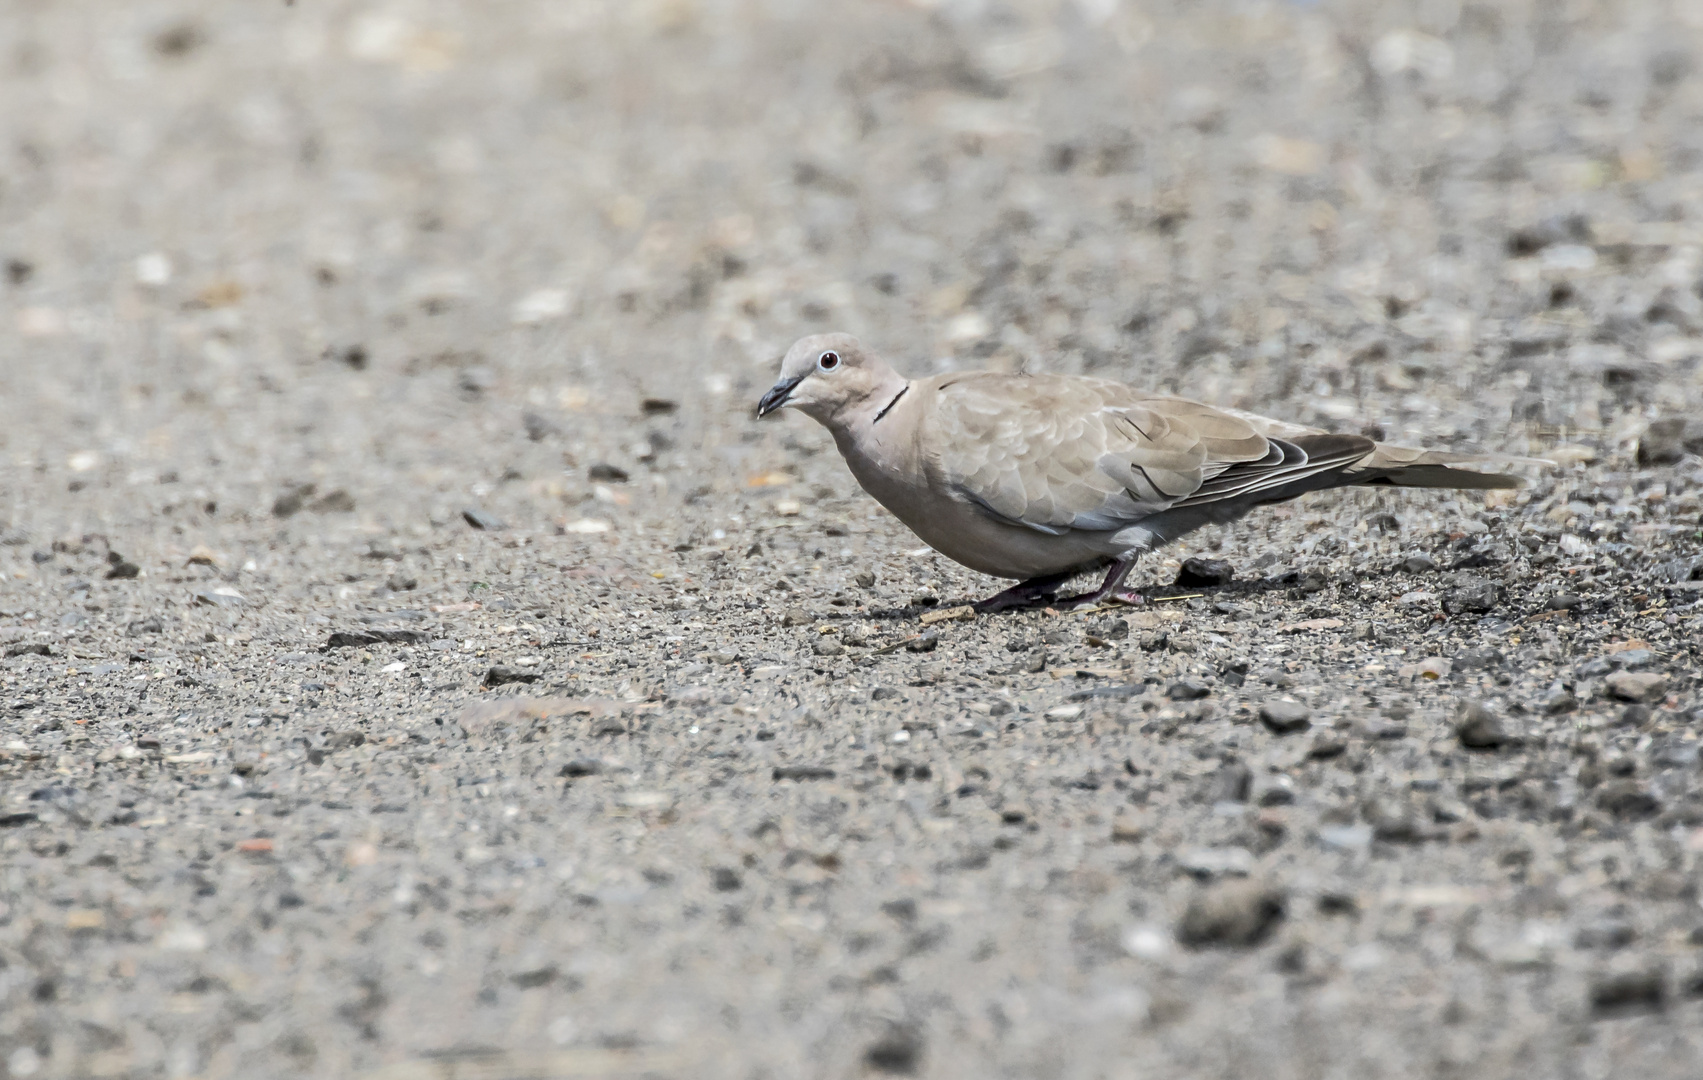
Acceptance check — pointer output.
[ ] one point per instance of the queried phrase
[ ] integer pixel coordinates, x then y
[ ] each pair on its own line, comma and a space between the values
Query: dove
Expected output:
1044, 478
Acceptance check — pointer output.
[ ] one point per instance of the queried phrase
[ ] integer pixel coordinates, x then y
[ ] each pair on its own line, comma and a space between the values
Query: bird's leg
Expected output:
1023, 594
1108, 589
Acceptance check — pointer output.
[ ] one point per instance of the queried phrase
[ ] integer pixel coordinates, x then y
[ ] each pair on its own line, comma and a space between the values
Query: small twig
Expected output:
895, 647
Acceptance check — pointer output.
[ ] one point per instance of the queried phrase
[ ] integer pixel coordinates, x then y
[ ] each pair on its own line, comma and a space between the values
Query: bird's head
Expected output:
823, 375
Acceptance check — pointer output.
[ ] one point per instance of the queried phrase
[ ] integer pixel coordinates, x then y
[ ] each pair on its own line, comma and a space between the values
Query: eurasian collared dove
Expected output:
1044, 477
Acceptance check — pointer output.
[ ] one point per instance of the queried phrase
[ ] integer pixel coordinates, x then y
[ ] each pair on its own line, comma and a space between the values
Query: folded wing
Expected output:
1056, 453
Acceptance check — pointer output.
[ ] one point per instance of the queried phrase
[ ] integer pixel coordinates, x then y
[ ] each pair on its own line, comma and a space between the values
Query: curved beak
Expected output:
777, 395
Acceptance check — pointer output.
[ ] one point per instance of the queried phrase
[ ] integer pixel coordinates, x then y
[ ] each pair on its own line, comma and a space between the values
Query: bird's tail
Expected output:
1402, 466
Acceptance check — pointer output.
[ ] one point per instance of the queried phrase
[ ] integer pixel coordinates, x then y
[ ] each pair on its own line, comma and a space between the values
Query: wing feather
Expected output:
1055, 453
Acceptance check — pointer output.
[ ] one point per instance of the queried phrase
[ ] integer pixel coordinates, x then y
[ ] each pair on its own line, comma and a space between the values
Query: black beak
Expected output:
777, 395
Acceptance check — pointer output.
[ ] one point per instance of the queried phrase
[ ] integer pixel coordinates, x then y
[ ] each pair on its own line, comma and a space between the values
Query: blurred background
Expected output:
287, 228
540, 259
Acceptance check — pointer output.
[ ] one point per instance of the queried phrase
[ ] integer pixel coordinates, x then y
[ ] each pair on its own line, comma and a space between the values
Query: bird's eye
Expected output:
828, 361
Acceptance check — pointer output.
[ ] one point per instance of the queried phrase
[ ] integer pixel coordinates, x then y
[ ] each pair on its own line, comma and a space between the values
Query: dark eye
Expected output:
828, 361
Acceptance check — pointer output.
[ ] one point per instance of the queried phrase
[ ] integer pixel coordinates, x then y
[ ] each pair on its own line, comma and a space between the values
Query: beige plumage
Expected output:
1043, 477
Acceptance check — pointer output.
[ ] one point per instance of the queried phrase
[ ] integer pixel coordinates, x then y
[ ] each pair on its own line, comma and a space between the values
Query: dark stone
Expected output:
1626, 798
538, 428
581, 767
123, 570
724, 879
899, 1052
30, 648
502, 676
1418, 563
904, 910
1486, 555
1669, 439
291, 501
1605, 934
1233, 914
15, 819
1285, 717
359, 639
1563, 602
1326, 747
334, 502
1627, 993
1573, 228
1233, 782
607, 473
655, 406
1188, 690
1471, 595
1635, 716
535, 977
1338, 903
803, 772
179, 40
1480, 729
481, 520
1199, 573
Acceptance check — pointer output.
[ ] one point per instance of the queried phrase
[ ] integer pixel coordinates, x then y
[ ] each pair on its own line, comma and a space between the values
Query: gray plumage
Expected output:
1046, 476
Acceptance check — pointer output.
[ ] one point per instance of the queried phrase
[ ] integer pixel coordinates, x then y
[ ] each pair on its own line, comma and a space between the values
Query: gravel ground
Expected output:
418, 663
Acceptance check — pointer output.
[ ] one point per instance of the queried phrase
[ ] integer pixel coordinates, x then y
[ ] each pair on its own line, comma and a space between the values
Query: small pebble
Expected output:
502, 676
1200, 573
1231, 914
1187, 690
1637, 686
1471, 595
1480, 729
1284, 717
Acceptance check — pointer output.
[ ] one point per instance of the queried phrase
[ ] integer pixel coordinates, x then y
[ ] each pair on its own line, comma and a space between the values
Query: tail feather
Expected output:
1402, 466
1433, 476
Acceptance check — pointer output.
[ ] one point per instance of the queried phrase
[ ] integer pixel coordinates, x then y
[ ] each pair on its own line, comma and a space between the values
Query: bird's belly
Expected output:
966, 535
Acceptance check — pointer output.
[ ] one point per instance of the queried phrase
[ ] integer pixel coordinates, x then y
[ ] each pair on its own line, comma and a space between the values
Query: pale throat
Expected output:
870, 431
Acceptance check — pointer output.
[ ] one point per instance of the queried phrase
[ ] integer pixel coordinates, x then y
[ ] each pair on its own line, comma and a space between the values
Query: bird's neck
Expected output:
872, 433
865, 412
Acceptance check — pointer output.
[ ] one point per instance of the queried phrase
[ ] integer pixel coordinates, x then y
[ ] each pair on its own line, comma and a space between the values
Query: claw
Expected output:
1037, 592
1032, 593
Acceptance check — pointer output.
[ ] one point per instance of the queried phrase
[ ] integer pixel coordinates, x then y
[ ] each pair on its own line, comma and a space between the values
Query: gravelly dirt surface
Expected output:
419, 664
